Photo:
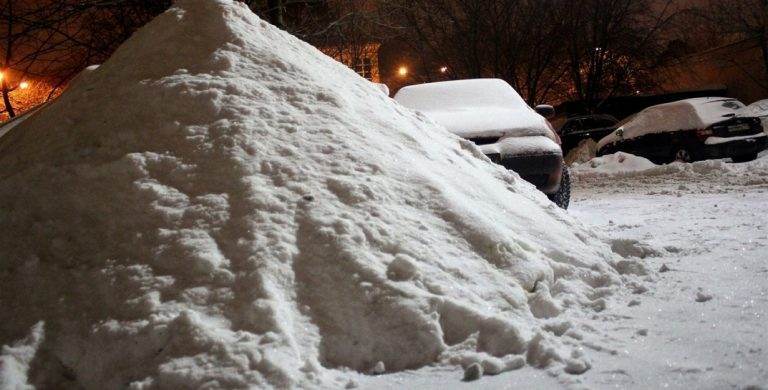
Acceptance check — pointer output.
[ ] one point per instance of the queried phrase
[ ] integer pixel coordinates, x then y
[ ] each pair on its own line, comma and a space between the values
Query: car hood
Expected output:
522, 146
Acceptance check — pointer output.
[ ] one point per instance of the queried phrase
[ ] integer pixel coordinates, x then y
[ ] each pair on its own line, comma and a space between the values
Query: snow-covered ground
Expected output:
701, 323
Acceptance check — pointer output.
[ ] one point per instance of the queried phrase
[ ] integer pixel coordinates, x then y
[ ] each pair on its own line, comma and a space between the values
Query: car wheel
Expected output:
683, 155
744, 158
562, 197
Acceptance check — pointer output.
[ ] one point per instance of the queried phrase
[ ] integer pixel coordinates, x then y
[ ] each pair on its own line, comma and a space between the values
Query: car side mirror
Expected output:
545, 110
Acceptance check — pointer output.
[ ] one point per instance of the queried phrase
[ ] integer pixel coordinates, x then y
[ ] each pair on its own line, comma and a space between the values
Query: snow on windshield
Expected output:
473, 108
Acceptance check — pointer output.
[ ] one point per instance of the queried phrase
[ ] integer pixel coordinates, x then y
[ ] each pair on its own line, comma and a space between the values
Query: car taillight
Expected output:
703, 134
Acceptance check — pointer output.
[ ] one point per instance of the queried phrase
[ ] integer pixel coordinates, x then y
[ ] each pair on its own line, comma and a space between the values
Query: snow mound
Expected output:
220, 205
613, 164
710, 176
622, 164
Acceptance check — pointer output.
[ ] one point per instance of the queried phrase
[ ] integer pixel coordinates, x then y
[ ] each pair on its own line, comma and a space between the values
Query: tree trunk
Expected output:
7, 100
275, 13
764, 50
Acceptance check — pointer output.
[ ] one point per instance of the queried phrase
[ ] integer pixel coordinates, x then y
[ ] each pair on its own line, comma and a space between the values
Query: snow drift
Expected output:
221, 205
625, 173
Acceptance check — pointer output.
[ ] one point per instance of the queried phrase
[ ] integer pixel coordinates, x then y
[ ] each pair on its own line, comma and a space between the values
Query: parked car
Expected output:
490, 113
579, 128
688, 130
757, 109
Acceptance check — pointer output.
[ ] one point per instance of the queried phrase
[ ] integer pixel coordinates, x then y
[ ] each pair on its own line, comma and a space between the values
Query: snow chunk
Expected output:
613, 164
15, 360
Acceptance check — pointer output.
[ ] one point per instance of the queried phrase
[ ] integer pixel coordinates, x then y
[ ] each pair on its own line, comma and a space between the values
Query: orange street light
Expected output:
402, 71
24, 85
1, 75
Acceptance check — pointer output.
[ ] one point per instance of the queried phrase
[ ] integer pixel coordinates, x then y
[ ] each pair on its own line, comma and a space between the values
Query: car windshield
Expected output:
460, 95
732, 104
626, 120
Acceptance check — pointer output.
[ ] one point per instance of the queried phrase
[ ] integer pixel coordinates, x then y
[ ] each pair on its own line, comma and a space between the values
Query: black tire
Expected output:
744, 157
562, 197
682, 154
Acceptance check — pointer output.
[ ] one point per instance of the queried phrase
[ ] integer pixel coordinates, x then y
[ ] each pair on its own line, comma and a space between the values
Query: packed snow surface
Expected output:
689, 114
475, 108
220, 205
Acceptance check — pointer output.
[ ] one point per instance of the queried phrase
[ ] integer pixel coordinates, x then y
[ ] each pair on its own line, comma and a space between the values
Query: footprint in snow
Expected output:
701, 296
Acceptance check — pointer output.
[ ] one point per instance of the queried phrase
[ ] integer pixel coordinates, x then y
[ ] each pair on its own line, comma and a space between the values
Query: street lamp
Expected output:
402, 71
24, 85
443, 69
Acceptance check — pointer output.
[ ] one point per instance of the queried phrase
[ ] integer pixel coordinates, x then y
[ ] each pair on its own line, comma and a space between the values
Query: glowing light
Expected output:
444, 69
402, 71
1, 75
24, 85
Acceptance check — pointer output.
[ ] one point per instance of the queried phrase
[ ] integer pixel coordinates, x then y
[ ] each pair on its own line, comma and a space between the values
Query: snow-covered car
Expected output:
490, 113
757, 109
688, 130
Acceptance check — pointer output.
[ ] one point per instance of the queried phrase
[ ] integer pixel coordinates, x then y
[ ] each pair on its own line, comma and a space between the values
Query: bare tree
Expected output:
517, 40
613, 45
33, 47
739, 19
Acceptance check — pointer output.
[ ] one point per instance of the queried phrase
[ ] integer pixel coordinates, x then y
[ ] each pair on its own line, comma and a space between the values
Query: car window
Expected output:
733, 104
572, 125
604, 122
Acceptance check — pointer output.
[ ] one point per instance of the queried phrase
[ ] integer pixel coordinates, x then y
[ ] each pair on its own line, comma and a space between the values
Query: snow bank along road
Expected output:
701, 322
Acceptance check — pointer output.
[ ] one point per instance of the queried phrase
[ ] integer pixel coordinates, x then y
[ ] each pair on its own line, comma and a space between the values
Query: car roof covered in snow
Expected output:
474, 108
688, 114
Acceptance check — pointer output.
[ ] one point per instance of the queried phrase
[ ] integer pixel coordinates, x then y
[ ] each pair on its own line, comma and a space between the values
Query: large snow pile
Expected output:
221, 205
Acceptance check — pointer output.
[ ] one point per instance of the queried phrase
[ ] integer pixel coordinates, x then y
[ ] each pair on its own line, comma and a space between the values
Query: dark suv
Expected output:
579, 128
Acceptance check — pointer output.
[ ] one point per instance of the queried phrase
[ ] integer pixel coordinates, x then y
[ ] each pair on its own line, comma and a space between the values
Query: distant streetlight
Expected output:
1, 75
24, 85
443, 69
402, 71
